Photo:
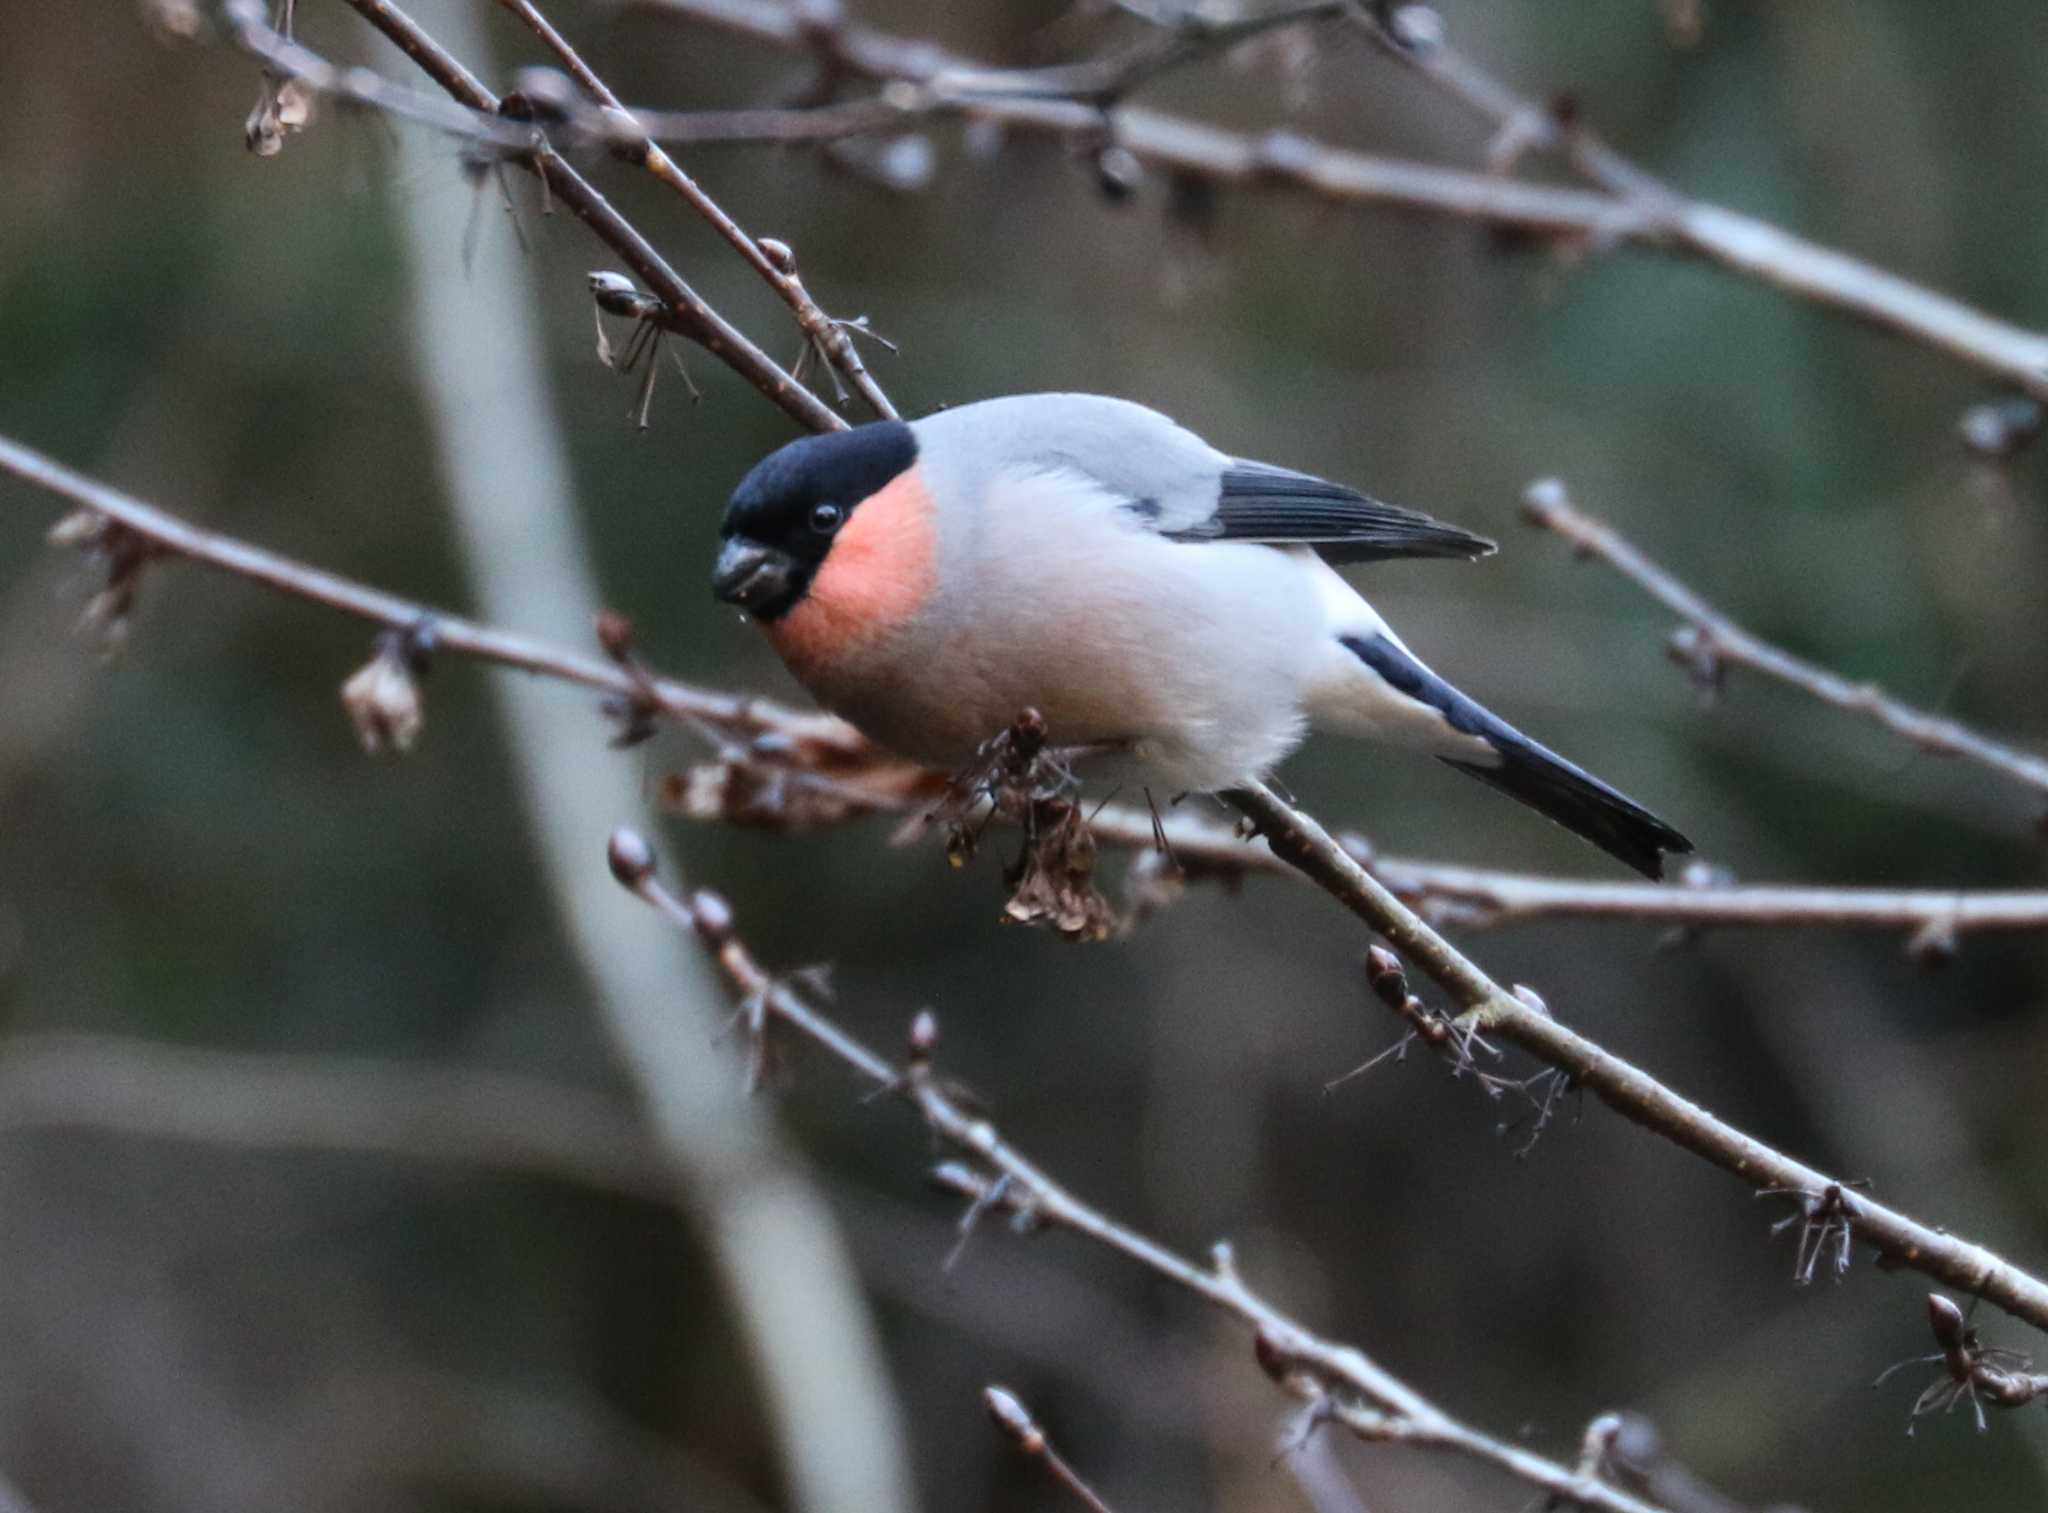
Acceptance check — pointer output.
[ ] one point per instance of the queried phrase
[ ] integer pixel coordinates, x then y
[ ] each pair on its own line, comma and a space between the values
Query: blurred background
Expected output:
238, 923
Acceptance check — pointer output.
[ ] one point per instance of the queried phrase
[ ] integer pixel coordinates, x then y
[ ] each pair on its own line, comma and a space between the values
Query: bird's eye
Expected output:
825, 518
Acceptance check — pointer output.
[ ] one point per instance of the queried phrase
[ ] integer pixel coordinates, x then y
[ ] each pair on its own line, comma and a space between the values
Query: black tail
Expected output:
1536, 775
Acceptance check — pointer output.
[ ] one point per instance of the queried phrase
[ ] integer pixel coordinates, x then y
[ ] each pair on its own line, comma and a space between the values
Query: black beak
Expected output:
755, 577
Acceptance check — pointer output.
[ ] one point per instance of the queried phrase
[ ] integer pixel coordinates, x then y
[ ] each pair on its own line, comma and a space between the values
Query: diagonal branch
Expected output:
1710, 639
687, 309
1740, 243
1628, 208
1010, 1415
167, 534
1344, 1383
1177, 143
829, 336
1486, 1006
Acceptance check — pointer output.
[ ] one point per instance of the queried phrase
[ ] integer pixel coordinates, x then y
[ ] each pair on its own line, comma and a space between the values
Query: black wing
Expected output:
1260, 502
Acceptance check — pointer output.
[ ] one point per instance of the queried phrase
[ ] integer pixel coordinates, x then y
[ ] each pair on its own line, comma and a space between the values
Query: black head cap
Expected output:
781, 519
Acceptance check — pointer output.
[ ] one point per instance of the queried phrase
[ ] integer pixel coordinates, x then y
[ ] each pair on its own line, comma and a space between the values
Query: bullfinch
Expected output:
1169, 608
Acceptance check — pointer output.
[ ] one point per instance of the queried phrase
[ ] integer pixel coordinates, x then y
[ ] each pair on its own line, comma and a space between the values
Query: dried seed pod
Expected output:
383, 697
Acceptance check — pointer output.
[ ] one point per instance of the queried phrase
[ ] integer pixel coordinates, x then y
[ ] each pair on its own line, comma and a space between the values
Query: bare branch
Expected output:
1346, 1384
1477, 897
1710, 640
1185, 37
1740, 243
829, 336
895, 107
691, 314
1629, 208
1177, 143
167, 534
1487, 1008
1015, 1420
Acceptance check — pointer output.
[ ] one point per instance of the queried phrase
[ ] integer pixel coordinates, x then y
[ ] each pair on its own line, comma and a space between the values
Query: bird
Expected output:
1173, 613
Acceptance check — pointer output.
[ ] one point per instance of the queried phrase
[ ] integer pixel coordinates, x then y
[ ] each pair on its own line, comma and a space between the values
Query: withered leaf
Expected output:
1054, 883
283, 106
383, 700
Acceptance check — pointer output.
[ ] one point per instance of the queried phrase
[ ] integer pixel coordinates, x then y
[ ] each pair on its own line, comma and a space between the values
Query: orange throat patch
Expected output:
877, 576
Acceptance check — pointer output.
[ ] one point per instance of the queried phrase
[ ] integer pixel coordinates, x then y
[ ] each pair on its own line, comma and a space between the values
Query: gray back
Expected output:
1135, 453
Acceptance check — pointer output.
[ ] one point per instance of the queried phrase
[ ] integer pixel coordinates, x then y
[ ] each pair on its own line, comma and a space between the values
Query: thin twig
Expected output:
829, 336
1186, 37
814, 747
689, 312
1015, 1420
1520, 124
892, 110
1486, 1007
448, 633
1478, 897
1176, 143
1710, 639
1740, 243
1348, 1385
1601, 217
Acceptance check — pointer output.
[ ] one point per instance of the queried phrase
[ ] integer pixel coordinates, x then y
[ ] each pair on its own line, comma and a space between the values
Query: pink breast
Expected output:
875, 579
